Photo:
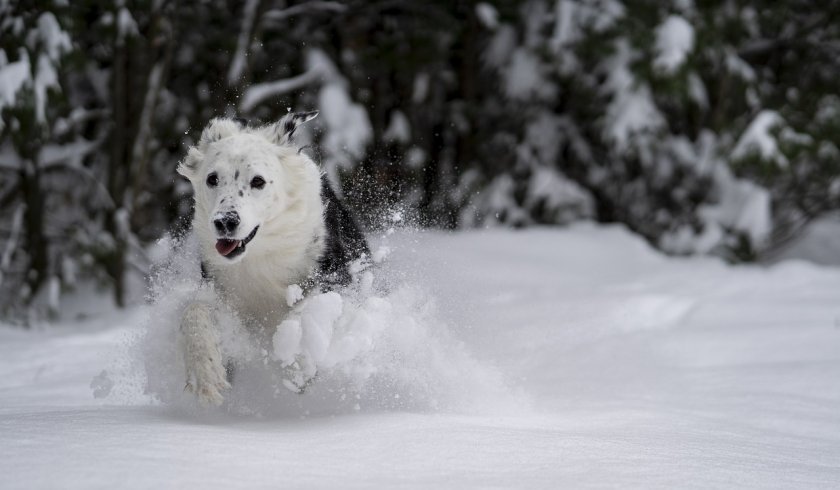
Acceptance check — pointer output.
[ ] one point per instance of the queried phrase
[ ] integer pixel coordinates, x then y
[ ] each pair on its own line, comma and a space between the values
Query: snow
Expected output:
126, 25
13, 77
520, 68
54, 40
737, 66
697, 91
742, 206
348, 128
498, 52
568, 27
674, 42
497, 202
243, 41
399, 129
758, 139
818, 243
487, 15
541, 137
278, 18
632, 110
735, 205
420, 88
318, 67
45, 79
568, 200
739, 205
565, 31
578, 357
524, 78
259, 92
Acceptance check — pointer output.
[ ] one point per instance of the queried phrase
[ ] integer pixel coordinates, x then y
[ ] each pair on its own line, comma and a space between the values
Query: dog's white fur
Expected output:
290, 238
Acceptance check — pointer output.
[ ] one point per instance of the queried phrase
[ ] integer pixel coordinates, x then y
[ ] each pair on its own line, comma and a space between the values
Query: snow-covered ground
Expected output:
547, 358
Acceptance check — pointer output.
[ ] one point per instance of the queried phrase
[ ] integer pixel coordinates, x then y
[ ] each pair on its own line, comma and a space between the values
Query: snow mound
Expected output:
378, 344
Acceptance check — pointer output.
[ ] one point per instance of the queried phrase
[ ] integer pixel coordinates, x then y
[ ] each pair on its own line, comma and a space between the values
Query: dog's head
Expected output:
243, 178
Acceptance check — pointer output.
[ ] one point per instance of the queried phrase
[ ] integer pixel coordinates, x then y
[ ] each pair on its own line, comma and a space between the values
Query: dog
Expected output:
266, 219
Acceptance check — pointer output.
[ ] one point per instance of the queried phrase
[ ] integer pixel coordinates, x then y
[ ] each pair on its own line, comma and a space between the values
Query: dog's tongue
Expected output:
225, 247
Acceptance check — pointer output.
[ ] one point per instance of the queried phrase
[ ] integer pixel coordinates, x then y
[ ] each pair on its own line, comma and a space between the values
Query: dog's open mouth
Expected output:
233, 248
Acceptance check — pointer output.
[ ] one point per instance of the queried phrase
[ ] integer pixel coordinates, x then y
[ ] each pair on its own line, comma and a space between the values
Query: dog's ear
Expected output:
283, 131
217, 129
189, 165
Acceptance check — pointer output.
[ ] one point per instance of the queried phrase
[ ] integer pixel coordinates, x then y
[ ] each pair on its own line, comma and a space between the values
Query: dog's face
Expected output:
241, 180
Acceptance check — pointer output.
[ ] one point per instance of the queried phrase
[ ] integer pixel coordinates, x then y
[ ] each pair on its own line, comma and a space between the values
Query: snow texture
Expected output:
487, 15
243, 41
399, 129
738, 206
742, 206
631, 111
52, 43
126, 25
13, 77
544, 358
565, 30
758, 139
524, 77
348, 127
499, 50
260, 92
819, 242
565, 197
674, 42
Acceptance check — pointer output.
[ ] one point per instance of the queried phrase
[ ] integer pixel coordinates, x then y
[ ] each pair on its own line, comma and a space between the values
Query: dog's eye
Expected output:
257, 182
212, 180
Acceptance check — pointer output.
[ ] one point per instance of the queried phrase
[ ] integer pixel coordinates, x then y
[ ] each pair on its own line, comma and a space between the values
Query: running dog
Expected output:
266, 218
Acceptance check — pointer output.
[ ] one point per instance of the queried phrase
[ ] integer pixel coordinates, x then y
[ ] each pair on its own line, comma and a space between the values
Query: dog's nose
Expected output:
226, 223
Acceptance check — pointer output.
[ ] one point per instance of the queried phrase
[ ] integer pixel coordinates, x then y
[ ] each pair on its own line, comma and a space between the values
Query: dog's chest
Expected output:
257, 291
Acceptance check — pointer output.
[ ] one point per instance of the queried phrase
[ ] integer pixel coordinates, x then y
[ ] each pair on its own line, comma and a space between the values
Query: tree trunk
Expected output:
36, 243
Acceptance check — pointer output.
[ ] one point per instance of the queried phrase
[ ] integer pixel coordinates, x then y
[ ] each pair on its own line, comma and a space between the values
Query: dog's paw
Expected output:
207, 381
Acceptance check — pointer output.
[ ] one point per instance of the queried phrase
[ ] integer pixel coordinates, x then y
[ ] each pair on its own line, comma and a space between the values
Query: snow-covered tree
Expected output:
40, 154
706, 127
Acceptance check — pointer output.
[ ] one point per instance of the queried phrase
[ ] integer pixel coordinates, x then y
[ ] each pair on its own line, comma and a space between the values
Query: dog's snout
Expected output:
226, 223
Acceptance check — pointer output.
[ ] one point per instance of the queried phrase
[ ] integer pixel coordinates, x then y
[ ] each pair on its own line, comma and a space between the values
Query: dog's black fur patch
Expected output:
344, 241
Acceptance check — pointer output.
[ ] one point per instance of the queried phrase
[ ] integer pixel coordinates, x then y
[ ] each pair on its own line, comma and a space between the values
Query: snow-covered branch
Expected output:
259, 92
56, 158
237, 65
70, 154
276, 16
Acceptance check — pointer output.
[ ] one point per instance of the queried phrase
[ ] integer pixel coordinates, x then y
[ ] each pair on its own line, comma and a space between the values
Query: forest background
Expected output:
705, 127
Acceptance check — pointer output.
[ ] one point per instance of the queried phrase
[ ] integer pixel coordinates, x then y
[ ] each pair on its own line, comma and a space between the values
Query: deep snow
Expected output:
573, 357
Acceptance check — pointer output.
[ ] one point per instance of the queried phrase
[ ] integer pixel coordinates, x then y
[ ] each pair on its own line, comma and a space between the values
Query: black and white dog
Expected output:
266, 219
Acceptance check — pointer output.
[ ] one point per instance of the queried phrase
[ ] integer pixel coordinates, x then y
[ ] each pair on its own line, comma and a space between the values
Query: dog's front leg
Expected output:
205, 371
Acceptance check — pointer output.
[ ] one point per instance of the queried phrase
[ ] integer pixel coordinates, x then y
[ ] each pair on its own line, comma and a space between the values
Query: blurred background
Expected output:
705, 127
